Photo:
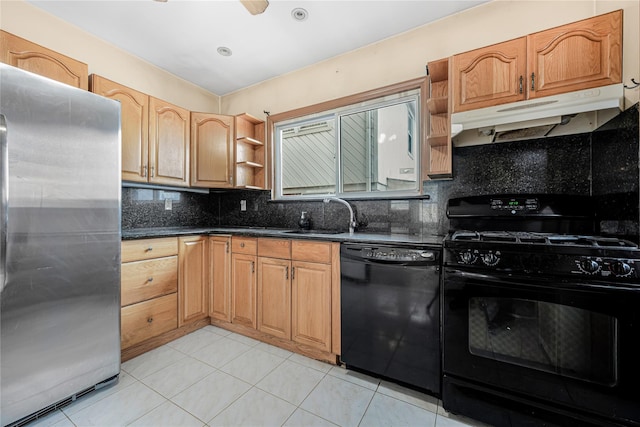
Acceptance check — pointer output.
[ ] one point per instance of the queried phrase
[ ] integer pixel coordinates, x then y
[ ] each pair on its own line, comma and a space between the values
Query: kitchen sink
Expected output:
314, 232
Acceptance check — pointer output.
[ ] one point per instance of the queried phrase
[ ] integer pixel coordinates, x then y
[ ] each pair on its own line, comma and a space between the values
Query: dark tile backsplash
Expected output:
603, 163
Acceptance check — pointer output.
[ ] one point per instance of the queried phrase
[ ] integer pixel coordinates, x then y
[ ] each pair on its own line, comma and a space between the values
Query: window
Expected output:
361, 146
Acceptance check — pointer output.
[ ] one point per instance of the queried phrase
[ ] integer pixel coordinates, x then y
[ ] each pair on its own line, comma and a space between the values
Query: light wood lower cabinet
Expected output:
193, 283
311, 304
274, 297
149, 287
243, 293
282, 291
148, 319
220, 277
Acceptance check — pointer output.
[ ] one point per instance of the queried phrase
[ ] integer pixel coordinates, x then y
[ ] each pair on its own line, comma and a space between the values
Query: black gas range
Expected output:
540, 314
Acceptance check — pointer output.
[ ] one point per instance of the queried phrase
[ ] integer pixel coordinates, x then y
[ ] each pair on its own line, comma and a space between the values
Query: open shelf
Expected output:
250, 153
250, 164
439, 148
248, 140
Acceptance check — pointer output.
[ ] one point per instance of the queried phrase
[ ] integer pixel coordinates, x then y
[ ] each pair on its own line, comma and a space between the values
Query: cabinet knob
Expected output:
150, 279
149, 249
242, 245
150, 319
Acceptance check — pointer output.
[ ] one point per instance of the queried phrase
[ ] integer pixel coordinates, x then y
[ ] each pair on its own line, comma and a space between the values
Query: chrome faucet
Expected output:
352, 217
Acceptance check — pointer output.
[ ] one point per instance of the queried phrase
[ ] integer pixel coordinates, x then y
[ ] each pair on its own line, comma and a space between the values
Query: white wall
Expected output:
404, 56
22, 19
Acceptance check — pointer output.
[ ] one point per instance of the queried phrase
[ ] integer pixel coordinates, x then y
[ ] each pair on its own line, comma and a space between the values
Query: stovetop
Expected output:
532, 238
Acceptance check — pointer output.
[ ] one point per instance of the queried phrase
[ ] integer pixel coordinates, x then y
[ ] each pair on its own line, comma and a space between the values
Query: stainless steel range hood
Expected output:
564, 114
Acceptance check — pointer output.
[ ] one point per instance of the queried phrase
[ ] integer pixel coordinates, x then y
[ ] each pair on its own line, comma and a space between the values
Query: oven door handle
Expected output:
543, 282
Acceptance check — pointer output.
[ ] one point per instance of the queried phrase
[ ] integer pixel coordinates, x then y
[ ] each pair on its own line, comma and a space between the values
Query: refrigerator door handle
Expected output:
4, 200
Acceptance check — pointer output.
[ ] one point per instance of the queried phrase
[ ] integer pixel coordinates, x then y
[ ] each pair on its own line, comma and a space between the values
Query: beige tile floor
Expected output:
212, 377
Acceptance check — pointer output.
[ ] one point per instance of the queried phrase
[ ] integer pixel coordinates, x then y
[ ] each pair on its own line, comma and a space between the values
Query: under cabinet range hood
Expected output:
564, 114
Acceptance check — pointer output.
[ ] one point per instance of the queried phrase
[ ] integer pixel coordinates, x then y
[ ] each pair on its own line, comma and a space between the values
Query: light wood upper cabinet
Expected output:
193, 283
169, 129
576, 56
211, 150
489, 76
32, 57
220, 277
135, 126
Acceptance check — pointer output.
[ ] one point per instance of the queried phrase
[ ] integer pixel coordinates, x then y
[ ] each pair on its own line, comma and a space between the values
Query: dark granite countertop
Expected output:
362, 237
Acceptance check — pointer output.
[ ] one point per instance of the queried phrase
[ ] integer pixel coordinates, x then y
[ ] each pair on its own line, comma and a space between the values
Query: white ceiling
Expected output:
181, 36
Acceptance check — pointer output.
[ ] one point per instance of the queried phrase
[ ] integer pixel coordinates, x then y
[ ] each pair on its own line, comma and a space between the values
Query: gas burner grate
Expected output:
529, 238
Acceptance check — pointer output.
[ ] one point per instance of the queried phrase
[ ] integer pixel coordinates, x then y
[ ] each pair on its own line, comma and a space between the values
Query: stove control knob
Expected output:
467, 257
589, 266
490, 259
620, 268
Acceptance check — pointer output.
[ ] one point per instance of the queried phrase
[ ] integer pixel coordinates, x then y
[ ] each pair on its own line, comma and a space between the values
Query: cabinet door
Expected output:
168, 143
243, 290
135, 126
576, 56
311, 304
192, 279
220, 278
274, 297
32, 57
490, 76
211, 150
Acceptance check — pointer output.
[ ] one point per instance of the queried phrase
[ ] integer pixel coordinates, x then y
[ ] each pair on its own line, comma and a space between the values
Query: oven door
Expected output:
572, 344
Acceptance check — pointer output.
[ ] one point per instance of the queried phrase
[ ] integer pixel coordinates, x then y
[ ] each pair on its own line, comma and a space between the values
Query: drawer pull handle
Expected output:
150, 279
293, 273
253, 267
226, 247
150, 319
286, 273
149, 249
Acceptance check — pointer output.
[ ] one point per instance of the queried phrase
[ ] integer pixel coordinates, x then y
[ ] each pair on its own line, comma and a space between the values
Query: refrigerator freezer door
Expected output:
60, 304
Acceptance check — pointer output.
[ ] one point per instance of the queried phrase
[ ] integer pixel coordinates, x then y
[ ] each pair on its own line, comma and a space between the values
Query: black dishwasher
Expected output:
390, 307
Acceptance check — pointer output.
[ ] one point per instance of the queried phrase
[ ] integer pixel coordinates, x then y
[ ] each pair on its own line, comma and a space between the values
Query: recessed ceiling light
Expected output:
299, 14
224, 51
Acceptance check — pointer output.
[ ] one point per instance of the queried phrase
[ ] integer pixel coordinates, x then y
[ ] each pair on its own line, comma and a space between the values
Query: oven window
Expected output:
554, 338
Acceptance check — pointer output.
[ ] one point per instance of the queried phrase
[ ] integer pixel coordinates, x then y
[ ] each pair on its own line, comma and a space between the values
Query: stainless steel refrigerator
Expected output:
60, 243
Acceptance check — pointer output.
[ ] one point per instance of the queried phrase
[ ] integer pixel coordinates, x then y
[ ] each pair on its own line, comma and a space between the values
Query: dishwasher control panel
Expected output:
398, 254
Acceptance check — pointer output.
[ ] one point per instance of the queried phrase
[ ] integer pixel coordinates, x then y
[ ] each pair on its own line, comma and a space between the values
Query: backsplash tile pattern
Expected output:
143, 208
602, 163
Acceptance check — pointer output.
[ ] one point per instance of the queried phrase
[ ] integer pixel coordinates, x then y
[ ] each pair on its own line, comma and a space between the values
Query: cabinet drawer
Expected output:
143, 280
148, 319
137, 250
274, 248
307, 250
244, 245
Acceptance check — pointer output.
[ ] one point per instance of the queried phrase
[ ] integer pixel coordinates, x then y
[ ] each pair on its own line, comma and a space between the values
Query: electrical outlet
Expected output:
243, 205
168, 204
